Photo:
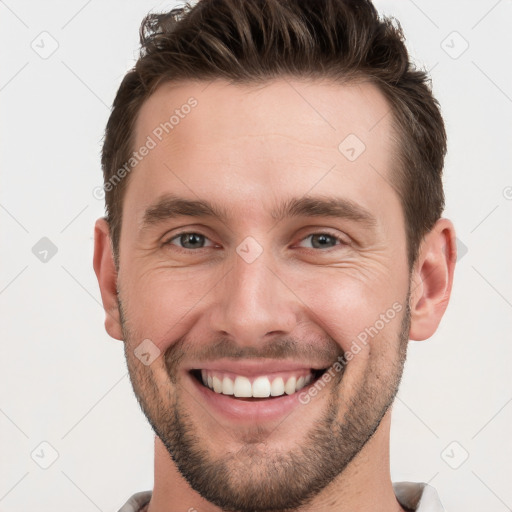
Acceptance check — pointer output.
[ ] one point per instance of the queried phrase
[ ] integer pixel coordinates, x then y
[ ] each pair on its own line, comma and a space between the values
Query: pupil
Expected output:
191, 238
322, 239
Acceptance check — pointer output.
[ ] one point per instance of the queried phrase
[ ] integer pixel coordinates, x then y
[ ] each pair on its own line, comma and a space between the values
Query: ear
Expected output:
432, 278
106, 274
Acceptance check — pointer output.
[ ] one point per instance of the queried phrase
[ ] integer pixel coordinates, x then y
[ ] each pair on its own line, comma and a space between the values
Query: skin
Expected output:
249, 148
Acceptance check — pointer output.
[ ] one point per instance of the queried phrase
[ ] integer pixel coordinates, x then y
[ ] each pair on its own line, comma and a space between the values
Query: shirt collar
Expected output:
417, 496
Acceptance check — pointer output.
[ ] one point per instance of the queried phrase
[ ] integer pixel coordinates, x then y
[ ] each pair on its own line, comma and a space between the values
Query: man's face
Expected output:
256, 293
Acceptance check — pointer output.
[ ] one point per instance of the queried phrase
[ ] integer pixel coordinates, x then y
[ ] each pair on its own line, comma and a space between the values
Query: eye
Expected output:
193, 240
324, 240
188, 240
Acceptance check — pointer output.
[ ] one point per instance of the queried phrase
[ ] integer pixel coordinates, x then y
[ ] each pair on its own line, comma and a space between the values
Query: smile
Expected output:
236, 399
260, 386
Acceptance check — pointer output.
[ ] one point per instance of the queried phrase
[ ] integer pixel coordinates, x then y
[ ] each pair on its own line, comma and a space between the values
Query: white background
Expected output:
64, 381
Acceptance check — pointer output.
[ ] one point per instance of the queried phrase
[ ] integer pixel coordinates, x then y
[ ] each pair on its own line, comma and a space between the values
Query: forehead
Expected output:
312, 111
242, 143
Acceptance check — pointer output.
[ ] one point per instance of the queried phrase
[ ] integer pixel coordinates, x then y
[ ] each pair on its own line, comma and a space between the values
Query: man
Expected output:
273, 239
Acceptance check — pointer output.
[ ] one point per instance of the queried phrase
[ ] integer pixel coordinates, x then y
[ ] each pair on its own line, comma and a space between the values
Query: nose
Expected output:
252, 302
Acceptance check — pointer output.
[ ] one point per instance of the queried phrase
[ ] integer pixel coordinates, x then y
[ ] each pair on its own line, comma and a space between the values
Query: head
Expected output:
273, 191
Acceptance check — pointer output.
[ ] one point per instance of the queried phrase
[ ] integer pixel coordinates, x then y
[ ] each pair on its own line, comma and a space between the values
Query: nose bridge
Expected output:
251, 300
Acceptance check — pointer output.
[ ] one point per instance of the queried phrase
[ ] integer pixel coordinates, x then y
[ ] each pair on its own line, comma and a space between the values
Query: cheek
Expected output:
352, 310
160, 302
164, 304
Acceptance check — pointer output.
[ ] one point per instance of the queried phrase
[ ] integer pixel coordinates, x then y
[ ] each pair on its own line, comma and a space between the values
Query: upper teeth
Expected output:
261, 386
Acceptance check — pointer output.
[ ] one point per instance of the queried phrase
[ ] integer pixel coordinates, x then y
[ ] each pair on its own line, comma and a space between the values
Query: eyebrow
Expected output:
170, 206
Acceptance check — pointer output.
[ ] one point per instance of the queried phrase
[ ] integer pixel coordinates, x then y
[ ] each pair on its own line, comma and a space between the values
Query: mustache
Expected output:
318, 351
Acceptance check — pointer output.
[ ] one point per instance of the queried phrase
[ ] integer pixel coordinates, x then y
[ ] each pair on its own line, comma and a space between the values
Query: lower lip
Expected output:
248, 411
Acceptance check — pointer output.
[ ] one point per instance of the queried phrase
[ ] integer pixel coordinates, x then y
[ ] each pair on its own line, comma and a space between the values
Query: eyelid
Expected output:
198, 229
168, 241
343, 239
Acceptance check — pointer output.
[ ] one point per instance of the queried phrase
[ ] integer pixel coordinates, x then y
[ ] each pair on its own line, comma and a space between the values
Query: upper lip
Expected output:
256, 367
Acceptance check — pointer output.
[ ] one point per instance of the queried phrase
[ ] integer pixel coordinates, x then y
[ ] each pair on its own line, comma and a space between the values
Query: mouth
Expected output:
246, 392
265, 387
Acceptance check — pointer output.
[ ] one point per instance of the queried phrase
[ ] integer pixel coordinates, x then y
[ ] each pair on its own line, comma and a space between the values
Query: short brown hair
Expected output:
258, 40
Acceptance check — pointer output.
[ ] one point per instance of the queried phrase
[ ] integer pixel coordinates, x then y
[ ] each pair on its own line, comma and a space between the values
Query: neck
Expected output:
364, 486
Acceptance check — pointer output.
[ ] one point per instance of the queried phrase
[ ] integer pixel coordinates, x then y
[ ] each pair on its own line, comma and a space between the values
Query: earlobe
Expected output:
432, 278
106, 274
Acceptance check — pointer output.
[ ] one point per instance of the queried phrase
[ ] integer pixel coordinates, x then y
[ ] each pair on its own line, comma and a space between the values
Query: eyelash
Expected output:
337, 238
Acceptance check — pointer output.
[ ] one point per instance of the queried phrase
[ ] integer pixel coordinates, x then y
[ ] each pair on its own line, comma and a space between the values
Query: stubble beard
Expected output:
256, 478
